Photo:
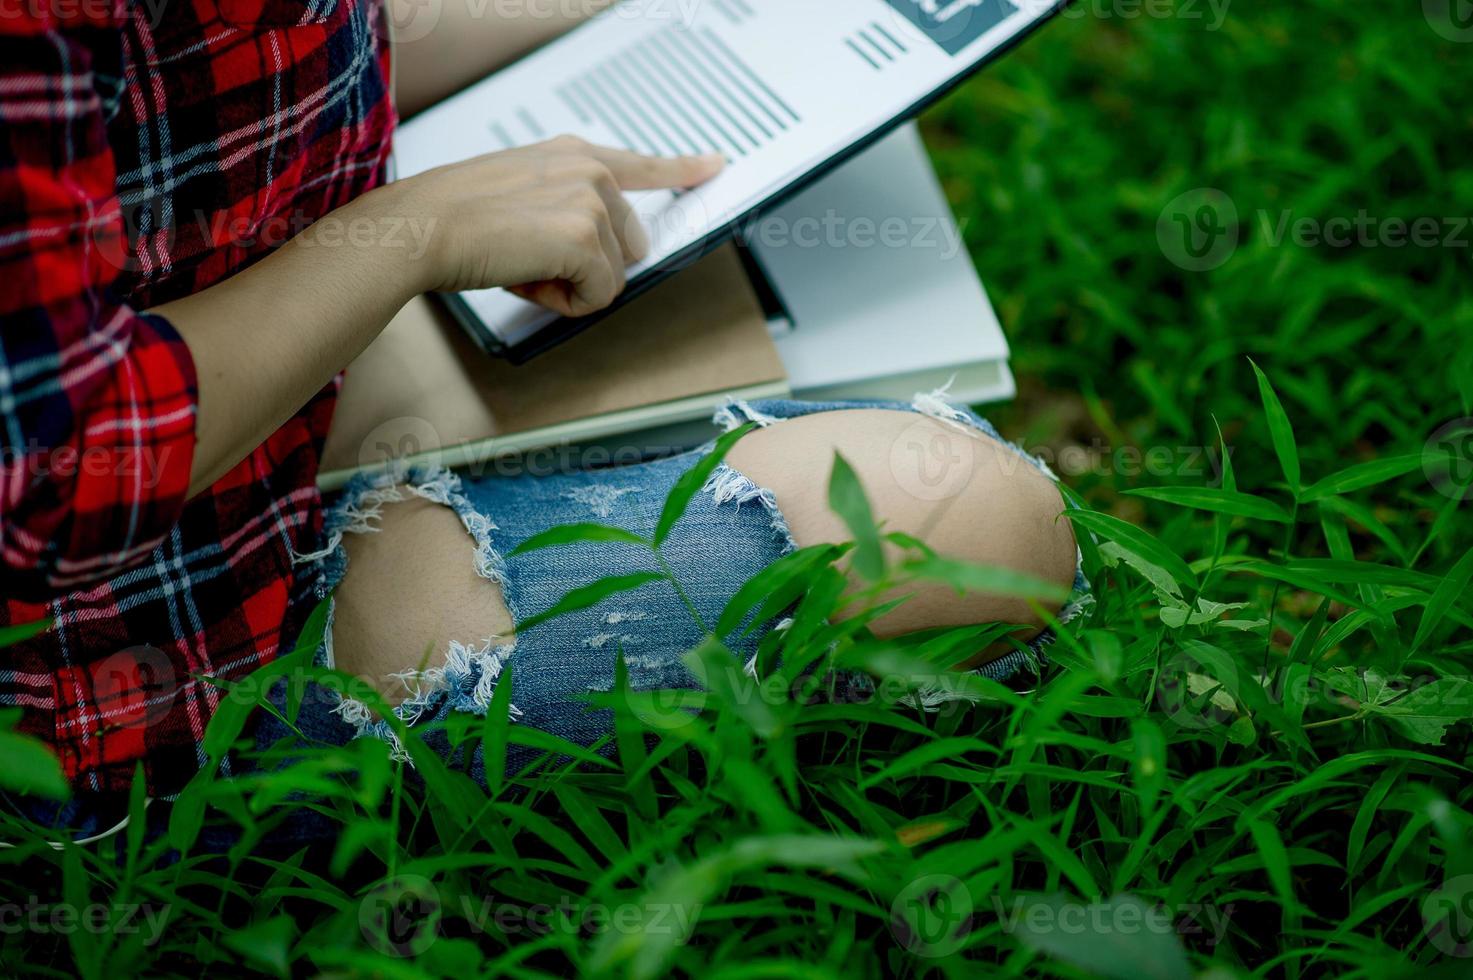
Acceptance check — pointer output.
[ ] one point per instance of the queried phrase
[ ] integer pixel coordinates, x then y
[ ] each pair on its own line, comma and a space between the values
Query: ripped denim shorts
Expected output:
731, 531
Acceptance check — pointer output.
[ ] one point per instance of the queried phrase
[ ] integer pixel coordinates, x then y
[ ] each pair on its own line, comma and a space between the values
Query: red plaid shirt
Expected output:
147, 151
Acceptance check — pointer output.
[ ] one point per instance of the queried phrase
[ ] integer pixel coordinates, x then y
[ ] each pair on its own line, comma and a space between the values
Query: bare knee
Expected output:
962, 492
411, 589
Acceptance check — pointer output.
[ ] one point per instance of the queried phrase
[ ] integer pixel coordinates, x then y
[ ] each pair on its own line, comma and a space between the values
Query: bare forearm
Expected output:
550, 220
440, 48
266, 340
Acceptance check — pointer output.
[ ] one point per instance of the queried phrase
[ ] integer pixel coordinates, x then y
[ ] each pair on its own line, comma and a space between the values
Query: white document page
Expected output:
781, 87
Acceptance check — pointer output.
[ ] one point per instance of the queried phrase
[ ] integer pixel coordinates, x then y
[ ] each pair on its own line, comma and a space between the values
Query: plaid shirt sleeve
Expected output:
97, 401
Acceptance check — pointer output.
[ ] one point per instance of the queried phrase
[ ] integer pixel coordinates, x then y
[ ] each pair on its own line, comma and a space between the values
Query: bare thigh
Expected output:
410, 590
412, 587
963, 493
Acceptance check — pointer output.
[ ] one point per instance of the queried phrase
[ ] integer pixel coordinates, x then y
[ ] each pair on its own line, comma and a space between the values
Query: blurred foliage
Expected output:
1259, 739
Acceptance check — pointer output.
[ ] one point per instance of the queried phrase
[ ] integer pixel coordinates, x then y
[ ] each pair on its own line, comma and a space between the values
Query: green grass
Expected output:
1261, 735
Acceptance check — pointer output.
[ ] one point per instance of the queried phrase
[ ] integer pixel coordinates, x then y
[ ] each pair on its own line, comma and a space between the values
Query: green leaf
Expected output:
494, 732
1177, 614
1275, 862
968, 577
592, 594
1301, 578
1361, 476
722, 675
22, 631
692, 480
1360, 572
1365, 814
1454, 585
85, 944
920, 758
1135, 540
629, 740
1218, 501
1425, 714
847, 499
643, 950
1148, 762
1280, 430
1242, 731
265, 944
1350, 509
784, 579
31, 767
576, 533
1061, 928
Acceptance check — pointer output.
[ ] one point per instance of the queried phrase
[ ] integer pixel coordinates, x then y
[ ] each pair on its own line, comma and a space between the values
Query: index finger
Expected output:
636, 172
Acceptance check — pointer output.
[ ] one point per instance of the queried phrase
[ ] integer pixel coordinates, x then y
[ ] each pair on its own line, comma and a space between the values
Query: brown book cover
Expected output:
425, 391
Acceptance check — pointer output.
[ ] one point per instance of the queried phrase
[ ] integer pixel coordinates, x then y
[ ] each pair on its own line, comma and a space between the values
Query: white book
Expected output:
884, 301
786, 89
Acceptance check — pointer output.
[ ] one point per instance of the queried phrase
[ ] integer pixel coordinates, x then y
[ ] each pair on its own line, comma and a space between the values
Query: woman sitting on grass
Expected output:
167, 381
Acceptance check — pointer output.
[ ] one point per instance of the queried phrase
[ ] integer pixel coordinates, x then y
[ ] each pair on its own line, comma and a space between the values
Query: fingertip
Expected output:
709, 165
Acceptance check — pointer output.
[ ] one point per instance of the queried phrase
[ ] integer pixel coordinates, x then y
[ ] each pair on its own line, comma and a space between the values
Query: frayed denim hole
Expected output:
467, 679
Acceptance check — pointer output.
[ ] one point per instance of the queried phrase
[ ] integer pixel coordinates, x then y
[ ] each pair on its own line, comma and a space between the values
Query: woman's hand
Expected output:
549, 221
